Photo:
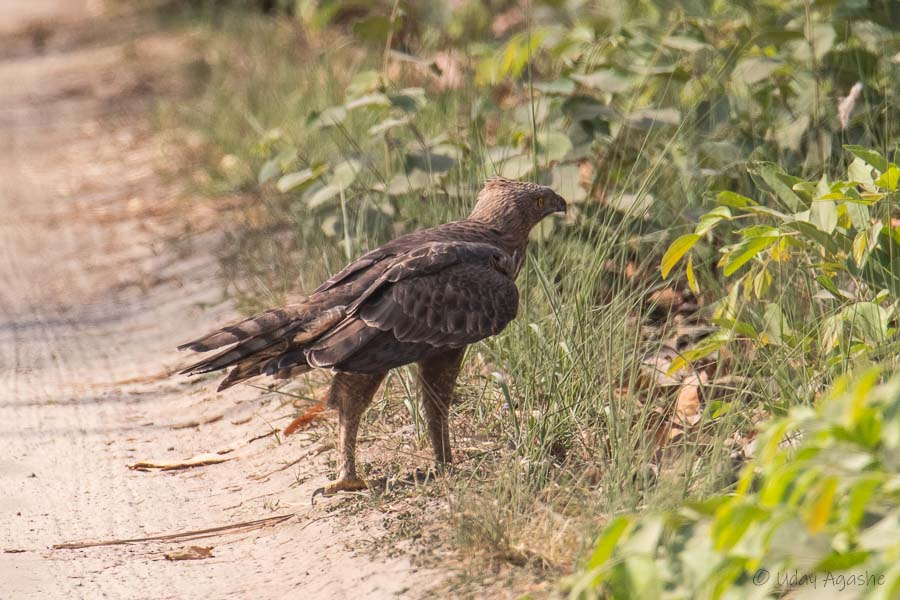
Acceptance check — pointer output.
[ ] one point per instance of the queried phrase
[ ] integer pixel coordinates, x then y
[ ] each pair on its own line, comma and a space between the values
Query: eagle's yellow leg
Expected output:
350, 394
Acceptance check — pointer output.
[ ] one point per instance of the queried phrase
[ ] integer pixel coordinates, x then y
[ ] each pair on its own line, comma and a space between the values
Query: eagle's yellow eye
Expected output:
540, 202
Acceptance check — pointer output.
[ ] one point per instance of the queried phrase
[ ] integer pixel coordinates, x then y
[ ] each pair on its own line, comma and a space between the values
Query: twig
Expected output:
311, 452
179, 537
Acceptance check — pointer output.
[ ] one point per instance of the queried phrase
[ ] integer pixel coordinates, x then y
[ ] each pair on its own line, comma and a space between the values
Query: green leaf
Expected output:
859, 499
711, 219
761, 282
516, 167
364, 82
684, 44
842, 561
329, 117
553, 145
406, 183
858, 213
732, 522
345, 173
678, 249
776, 323
744, 252
860, 248
824, 215
608, 540
559, 87
860, 172
753, 70
322, 195
567, 183
375, 28
647, 118
734, 200
387, 125
870, 156
889, 179
605, 80
294, 180
374, 99
814, 234
826, 282
775, 179
270, 170
868, 321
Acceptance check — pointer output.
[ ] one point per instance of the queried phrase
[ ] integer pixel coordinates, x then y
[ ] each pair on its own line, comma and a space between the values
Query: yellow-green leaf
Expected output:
692, 280
678, 249
860, 248
607, 541
745, 251
889, 179
868, 155
820, 509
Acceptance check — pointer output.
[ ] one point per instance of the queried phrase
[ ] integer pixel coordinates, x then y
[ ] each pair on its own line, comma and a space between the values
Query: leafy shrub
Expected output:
817, 510
841, 238
643, 103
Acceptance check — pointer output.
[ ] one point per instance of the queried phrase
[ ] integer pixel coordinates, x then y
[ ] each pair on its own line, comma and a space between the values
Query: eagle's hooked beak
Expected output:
561, 205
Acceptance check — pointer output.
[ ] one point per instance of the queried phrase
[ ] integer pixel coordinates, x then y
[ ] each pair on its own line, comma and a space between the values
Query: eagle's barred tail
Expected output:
260, 340
264, 322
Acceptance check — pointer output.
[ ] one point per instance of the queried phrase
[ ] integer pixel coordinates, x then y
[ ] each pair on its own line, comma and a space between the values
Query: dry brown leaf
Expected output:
198, 460
190, 553
687, 404
655, 368
666, 299
304, 420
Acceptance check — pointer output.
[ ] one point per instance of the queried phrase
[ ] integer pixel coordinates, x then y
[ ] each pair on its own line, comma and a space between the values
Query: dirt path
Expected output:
93, 297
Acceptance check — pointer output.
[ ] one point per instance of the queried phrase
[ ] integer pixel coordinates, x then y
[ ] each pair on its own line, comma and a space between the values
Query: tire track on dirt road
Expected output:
92, 300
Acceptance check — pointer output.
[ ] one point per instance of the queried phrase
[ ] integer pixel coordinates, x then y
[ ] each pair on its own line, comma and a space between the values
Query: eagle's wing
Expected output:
442, 294
357, 266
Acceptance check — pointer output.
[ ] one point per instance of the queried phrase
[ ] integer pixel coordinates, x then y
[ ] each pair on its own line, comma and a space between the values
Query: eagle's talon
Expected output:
349, 484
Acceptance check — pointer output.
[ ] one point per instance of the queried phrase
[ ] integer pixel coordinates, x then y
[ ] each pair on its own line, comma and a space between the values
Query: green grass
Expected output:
559, 419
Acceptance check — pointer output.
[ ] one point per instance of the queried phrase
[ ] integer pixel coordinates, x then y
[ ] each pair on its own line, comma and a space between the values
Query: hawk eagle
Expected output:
421, 298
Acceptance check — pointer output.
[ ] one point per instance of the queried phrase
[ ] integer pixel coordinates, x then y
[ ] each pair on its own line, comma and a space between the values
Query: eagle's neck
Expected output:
509, 227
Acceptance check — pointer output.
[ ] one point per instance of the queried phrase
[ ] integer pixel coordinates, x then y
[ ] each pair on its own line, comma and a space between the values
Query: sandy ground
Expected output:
93, 298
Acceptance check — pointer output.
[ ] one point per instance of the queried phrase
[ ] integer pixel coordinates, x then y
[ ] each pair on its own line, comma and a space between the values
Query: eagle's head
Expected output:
517, 205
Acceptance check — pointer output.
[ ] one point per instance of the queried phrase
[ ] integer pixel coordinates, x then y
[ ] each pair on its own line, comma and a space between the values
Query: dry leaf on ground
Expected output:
303, 421
190, 553
687, 404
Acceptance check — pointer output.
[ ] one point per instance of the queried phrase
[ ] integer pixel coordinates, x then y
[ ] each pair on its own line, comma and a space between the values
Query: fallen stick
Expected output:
178, 537
200, 460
